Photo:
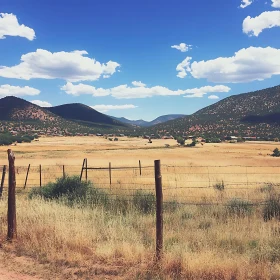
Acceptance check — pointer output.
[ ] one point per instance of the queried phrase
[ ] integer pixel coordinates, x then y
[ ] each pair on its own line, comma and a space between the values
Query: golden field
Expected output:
203, 238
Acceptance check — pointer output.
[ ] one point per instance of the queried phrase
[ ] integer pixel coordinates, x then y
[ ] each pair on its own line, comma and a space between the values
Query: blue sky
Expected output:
117, 56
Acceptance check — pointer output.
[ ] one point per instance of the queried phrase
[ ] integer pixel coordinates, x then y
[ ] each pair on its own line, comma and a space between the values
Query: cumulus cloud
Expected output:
200, 92
183, 67
8, 90
106, 108
71, 66
275, 3
79, 89
247, 65
9, 26
138, 84
213, 97
246, 3
127, 92
254, 26
41, 103
182, 47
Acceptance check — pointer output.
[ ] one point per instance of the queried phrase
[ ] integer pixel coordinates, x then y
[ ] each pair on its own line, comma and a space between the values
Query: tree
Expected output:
276, 153
181, 141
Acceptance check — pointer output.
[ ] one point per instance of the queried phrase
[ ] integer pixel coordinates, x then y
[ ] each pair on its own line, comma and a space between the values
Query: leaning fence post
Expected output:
82, 170
140, 167
26, 176
3, 180
12, 230
110, 174
159, 210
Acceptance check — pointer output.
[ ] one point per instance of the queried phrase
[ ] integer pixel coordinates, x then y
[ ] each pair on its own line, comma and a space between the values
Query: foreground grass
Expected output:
200, 242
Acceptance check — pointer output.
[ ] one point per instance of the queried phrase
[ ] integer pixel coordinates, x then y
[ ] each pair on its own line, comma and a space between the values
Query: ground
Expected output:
70, 151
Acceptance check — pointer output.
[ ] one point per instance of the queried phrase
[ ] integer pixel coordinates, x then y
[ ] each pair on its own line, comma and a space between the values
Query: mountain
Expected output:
21, 116
85, 114
143, 123
17, 109
249, 114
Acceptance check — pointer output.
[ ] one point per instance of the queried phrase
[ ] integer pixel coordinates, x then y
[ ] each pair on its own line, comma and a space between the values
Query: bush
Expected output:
239, 207
181, 141
70, 188
272, 208
144, 202
276, 153
219, 186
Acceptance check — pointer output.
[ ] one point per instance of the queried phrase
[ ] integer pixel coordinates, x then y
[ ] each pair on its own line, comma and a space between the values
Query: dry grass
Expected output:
200, 242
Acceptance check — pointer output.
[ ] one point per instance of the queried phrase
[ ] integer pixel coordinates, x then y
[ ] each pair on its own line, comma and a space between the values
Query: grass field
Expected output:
200, 241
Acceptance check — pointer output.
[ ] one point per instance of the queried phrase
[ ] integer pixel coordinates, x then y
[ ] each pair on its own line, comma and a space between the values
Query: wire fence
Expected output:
188, 185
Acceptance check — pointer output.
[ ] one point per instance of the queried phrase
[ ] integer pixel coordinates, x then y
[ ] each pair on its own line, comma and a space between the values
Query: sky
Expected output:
138, 59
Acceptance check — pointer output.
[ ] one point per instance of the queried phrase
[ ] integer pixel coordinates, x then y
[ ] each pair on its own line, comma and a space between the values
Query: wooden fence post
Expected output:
140, 167
110, 174
82, 170
86, 170
3, 180
12, 229
159, 210
63, 171
40, 170
26, 178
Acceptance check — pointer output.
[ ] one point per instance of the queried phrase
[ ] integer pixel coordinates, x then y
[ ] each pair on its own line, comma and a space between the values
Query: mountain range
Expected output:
249, 114
143, 123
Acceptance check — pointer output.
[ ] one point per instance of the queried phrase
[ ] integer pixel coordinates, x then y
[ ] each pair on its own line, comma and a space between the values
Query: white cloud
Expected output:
246, 3
70, 66
254, 26
182, 47
138, 84
127, 92
8, 90
275, 3
246, 65
213, 97
79, 89
200, 92
41, 103
106, 108
183, 67
9, 26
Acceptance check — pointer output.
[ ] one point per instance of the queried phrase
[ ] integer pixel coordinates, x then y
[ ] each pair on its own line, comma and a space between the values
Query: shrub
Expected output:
272, 208
239, 207
181, 141
267, 188
276, 153
70, 188
144, 202
219, 186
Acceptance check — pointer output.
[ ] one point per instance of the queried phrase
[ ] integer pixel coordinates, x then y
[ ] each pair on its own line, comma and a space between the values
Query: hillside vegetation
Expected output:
249, 114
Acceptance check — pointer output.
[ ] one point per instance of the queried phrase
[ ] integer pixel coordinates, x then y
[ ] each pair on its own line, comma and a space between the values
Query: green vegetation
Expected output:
181, 141
8, 139
276, 153
272, 208
239, 207
72, 191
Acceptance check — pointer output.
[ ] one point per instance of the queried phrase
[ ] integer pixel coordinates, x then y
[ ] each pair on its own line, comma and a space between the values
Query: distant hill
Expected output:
21, 116
143, 123
252, 114
17, 109
81, 112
